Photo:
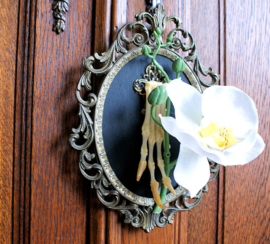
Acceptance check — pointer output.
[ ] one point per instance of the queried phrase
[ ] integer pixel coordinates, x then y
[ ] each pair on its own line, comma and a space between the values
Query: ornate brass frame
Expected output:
138, 210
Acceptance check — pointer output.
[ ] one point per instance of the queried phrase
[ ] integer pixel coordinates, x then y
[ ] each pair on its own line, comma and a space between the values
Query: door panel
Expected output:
44, 197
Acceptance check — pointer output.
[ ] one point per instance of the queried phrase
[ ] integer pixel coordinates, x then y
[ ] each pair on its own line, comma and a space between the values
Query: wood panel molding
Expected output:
23, 121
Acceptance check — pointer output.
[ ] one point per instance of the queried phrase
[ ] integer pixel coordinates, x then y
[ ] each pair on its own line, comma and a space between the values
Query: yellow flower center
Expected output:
222, 136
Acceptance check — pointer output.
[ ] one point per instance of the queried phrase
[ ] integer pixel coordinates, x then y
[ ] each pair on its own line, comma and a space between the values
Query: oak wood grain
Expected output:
8, 37
247, 187
58, 191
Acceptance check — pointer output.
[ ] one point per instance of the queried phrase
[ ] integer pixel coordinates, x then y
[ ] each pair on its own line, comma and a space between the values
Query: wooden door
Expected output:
43, 196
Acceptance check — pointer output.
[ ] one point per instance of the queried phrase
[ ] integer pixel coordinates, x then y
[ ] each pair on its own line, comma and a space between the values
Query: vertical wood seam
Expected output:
183, 235
93, 26
89, 190
99, 43
222, 41
222, 70
33, 24
20, 148
110, 37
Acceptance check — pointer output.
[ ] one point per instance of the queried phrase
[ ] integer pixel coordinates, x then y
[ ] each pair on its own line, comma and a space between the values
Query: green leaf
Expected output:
159, 31
146, 50
155, 34
170, 37
158, 95
178, 65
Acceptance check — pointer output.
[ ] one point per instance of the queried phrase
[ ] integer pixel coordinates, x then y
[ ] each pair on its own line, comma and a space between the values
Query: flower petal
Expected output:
241, 158
192, 140
187, 102
231, 107
244, 144
191, 171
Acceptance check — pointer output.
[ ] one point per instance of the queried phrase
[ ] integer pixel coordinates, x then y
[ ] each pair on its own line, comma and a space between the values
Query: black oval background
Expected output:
122, 122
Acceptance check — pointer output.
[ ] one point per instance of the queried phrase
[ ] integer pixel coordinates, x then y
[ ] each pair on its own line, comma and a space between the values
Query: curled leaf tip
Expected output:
158, 95
169, 37
159, 31
178, 65
146, 50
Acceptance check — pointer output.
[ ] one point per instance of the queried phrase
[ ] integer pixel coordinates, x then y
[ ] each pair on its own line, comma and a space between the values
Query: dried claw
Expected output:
167, 182
141, 168
154, 188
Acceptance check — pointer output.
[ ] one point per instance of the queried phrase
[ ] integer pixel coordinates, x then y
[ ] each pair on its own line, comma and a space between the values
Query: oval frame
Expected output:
98, 120
138, 213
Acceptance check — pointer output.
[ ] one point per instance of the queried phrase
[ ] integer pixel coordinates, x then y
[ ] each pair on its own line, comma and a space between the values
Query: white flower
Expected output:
221, 124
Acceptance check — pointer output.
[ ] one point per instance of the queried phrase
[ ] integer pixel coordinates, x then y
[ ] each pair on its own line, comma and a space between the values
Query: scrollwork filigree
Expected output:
151, 73
108, 57
85, 128
193, 57
158, 18
145, 217
214, 169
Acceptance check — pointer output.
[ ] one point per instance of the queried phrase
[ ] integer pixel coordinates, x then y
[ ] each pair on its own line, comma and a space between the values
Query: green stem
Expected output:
162, 70
166, 156
166, 153
177, 75
154, 116
166, 44
149, 56
172, 164
156, 64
